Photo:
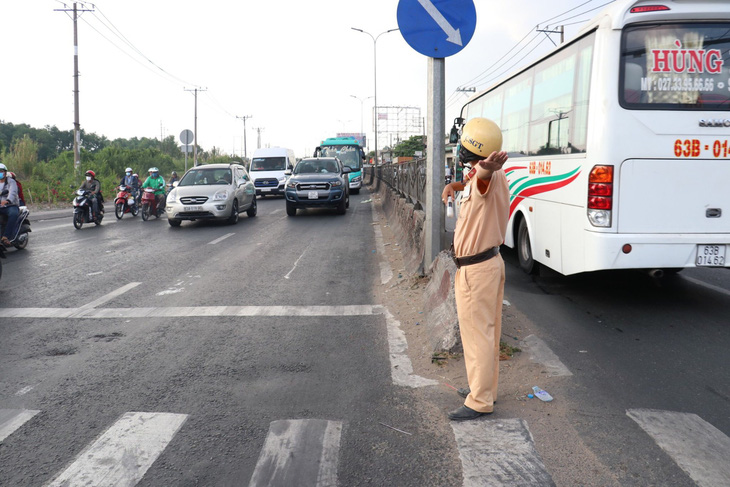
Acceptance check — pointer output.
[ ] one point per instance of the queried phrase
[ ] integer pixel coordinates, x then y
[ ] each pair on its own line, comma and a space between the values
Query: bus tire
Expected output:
524, 250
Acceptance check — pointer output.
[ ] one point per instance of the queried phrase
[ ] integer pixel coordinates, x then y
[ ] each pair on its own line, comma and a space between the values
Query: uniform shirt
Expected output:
482, 222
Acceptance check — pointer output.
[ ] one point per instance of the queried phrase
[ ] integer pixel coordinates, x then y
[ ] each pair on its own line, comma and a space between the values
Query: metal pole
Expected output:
77, 124
435, 153
195, 131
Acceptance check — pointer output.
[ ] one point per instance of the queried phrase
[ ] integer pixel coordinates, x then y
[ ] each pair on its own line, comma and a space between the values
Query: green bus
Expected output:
350, 152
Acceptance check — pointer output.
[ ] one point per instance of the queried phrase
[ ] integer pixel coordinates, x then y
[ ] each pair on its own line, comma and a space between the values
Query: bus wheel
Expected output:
524, 251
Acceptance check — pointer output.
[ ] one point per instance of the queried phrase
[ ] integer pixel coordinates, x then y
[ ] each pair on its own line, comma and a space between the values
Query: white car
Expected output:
211, 192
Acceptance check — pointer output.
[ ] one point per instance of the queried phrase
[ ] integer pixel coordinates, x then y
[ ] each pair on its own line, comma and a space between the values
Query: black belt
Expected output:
476, 258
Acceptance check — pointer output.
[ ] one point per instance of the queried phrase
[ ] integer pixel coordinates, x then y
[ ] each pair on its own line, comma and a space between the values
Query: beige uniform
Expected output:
479, 288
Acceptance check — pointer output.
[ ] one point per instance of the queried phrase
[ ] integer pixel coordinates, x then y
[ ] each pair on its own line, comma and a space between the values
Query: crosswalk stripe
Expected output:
124, 452
302, 452
12, 419
700, 449
499, 453
541, 353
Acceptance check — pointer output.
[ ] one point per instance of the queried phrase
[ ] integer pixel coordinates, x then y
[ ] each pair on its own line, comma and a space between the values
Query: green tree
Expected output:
407, 148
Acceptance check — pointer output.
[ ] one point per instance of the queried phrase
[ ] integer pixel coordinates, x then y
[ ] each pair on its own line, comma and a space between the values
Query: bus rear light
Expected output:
600, 196
599, 203
649, 8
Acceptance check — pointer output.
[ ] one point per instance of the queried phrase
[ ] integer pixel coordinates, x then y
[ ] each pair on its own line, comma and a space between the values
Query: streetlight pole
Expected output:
375, 84
362, 100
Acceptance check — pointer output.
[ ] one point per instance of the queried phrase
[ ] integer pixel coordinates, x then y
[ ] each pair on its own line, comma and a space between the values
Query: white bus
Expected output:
619, 142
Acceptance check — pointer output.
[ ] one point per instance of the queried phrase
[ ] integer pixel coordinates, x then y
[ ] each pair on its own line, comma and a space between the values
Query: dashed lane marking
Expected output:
110, 296
499, 453
300, 452
541, 353
218, 240
124, 452
700, 449
12, 419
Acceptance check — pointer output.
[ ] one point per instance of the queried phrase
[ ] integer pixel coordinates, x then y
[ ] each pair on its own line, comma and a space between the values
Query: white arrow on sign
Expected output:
454, 36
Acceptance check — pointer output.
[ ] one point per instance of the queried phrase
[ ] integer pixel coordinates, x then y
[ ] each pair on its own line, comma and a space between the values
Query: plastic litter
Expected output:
366, 201
542, 395
530, 396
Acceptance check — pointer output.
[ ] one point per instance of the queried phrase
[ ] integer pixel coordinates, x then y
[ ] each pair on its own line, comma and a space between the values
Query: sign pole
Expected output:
435, 153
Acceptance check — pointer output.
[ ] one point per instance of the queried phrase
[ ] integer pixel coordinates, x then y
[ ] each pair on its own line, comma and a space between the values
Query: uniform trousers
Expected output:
479, 290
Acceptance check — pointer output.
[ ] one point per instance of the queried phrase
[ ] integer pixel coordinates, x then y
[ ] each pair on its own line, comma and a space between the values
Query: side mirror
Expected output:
287, 172
175, 183
346, 169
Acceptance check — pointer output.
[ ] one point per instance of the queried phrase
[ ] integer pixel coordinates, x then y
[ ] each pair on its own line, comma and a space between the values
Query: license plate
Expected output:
192, 208
710, 256
313, 195
265, 189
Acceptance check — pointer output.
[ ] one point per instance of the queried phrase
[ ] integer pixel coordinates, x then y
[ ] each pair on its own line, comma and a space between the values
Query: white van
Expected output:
267, 169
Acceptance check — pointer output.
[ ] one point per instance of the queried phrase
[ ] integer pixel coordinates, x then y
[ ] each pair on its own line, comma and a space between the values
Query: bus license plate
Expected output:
313, 195
192, 208
710, 256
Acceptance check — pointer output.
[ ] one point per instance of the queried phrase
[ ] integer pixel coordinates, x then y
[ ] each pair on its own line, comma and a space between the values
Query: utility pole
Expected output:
244, 118
195, 125
77, 124
561, 32
258, 141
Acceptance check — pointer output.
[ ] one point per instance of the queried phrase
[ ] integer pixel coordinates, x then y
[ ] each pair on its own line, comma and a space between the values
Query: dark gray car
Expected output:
318, 182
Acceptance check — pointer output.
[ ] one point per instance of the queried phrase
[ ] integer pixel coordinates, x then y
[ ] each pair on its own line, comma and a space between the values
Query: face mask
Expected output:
129, 174
154, 174
88, 178
2, 174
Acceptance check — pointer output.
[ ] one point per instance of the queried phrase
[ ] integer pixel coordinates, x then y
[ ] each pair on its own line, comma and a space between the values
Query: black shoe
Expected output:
465, 413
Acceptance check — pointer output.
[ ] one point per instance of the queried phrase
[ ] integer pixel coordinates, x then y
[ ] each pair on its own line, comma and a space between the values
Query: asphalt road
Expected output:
285, 355
259, 354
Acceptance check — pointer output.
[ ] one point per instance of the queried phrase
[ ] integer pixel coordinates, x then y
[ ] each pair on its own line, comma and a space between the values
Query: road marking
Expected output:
110, 296
221, 238
700, 449
295, 264
12, 419
386, 273
125, 451
191, 311
401, 368
706, 285
68, 225
499, 452
301, 452
25, 390
541, 353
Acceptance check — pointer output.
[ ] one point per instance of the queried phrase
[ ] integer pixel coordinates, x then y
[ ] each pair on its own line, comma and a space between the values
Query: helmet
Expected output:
174, 173
129, 169
481, 137
2, 167
135, 175
153, 169
91, 173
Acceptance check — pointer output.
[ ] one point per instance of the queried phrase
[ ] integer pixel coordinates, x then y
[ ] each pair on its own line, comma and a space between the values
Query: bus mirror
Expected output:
454, 135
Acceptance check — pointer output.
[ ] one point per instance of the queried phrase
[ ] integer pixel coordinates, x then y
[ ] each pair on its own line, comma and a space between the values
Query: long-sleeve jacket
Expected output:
9, 191
157, 183
94, 186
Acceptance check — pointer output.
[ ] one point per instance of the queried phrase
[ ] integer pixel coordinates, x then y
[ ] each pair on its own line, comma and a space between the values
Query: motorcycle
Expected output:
83, 209
21, 237
149, 205
125, 202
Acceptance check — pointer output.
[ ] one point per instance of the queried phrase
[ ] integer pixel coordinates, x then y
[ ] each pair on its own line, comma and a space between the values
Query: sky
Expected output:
297, 68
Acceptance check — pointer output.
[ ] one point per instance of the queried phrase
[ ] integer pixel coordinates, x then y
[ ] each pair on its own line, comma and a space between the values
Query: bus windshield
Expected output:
676, 66
348, 154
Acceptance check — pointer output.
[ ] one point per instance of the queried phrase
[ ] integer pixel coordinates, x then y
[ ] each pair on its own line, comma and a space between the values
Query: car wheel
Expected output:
524, 249
233, 219
253, 209
342, 207
174, 223
291, 210
347, 205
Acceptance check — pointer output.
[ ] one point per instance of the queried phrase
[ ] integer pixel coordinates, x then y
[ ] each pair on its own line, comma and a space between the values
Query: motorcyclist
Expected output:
21, 198
156, 182
130, 180
94, 186
173, 179
8, 205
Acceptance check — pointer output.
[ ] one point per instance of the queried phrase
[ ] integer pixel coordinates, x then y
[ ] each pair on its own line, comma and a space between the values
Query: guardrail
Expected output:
408, 179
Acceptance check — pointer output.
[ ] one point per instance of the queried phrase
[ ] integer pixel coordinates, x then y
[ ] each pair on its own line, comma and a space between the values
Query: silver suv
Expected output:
212, 192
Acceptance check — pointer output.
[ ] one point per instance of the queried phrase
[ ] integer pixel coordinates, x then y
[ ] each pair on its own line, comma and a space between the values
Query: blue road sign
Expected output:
437, 28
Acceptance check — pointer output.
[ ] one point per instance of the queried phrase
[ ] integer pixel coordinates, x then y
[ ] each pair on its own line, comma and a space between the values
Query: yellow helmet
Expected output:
481, 136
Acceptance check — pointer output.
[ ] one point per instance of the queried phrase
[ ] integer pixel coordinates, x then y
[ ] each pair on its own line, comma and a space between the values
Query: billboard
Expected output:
360, 137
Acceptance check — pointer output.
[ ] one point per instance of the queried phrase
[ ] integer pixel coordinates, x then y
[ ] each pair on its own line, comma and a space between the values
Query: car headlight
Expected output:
172, 197
221, 195
291, 184
356, 179
336, 183
282, 179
